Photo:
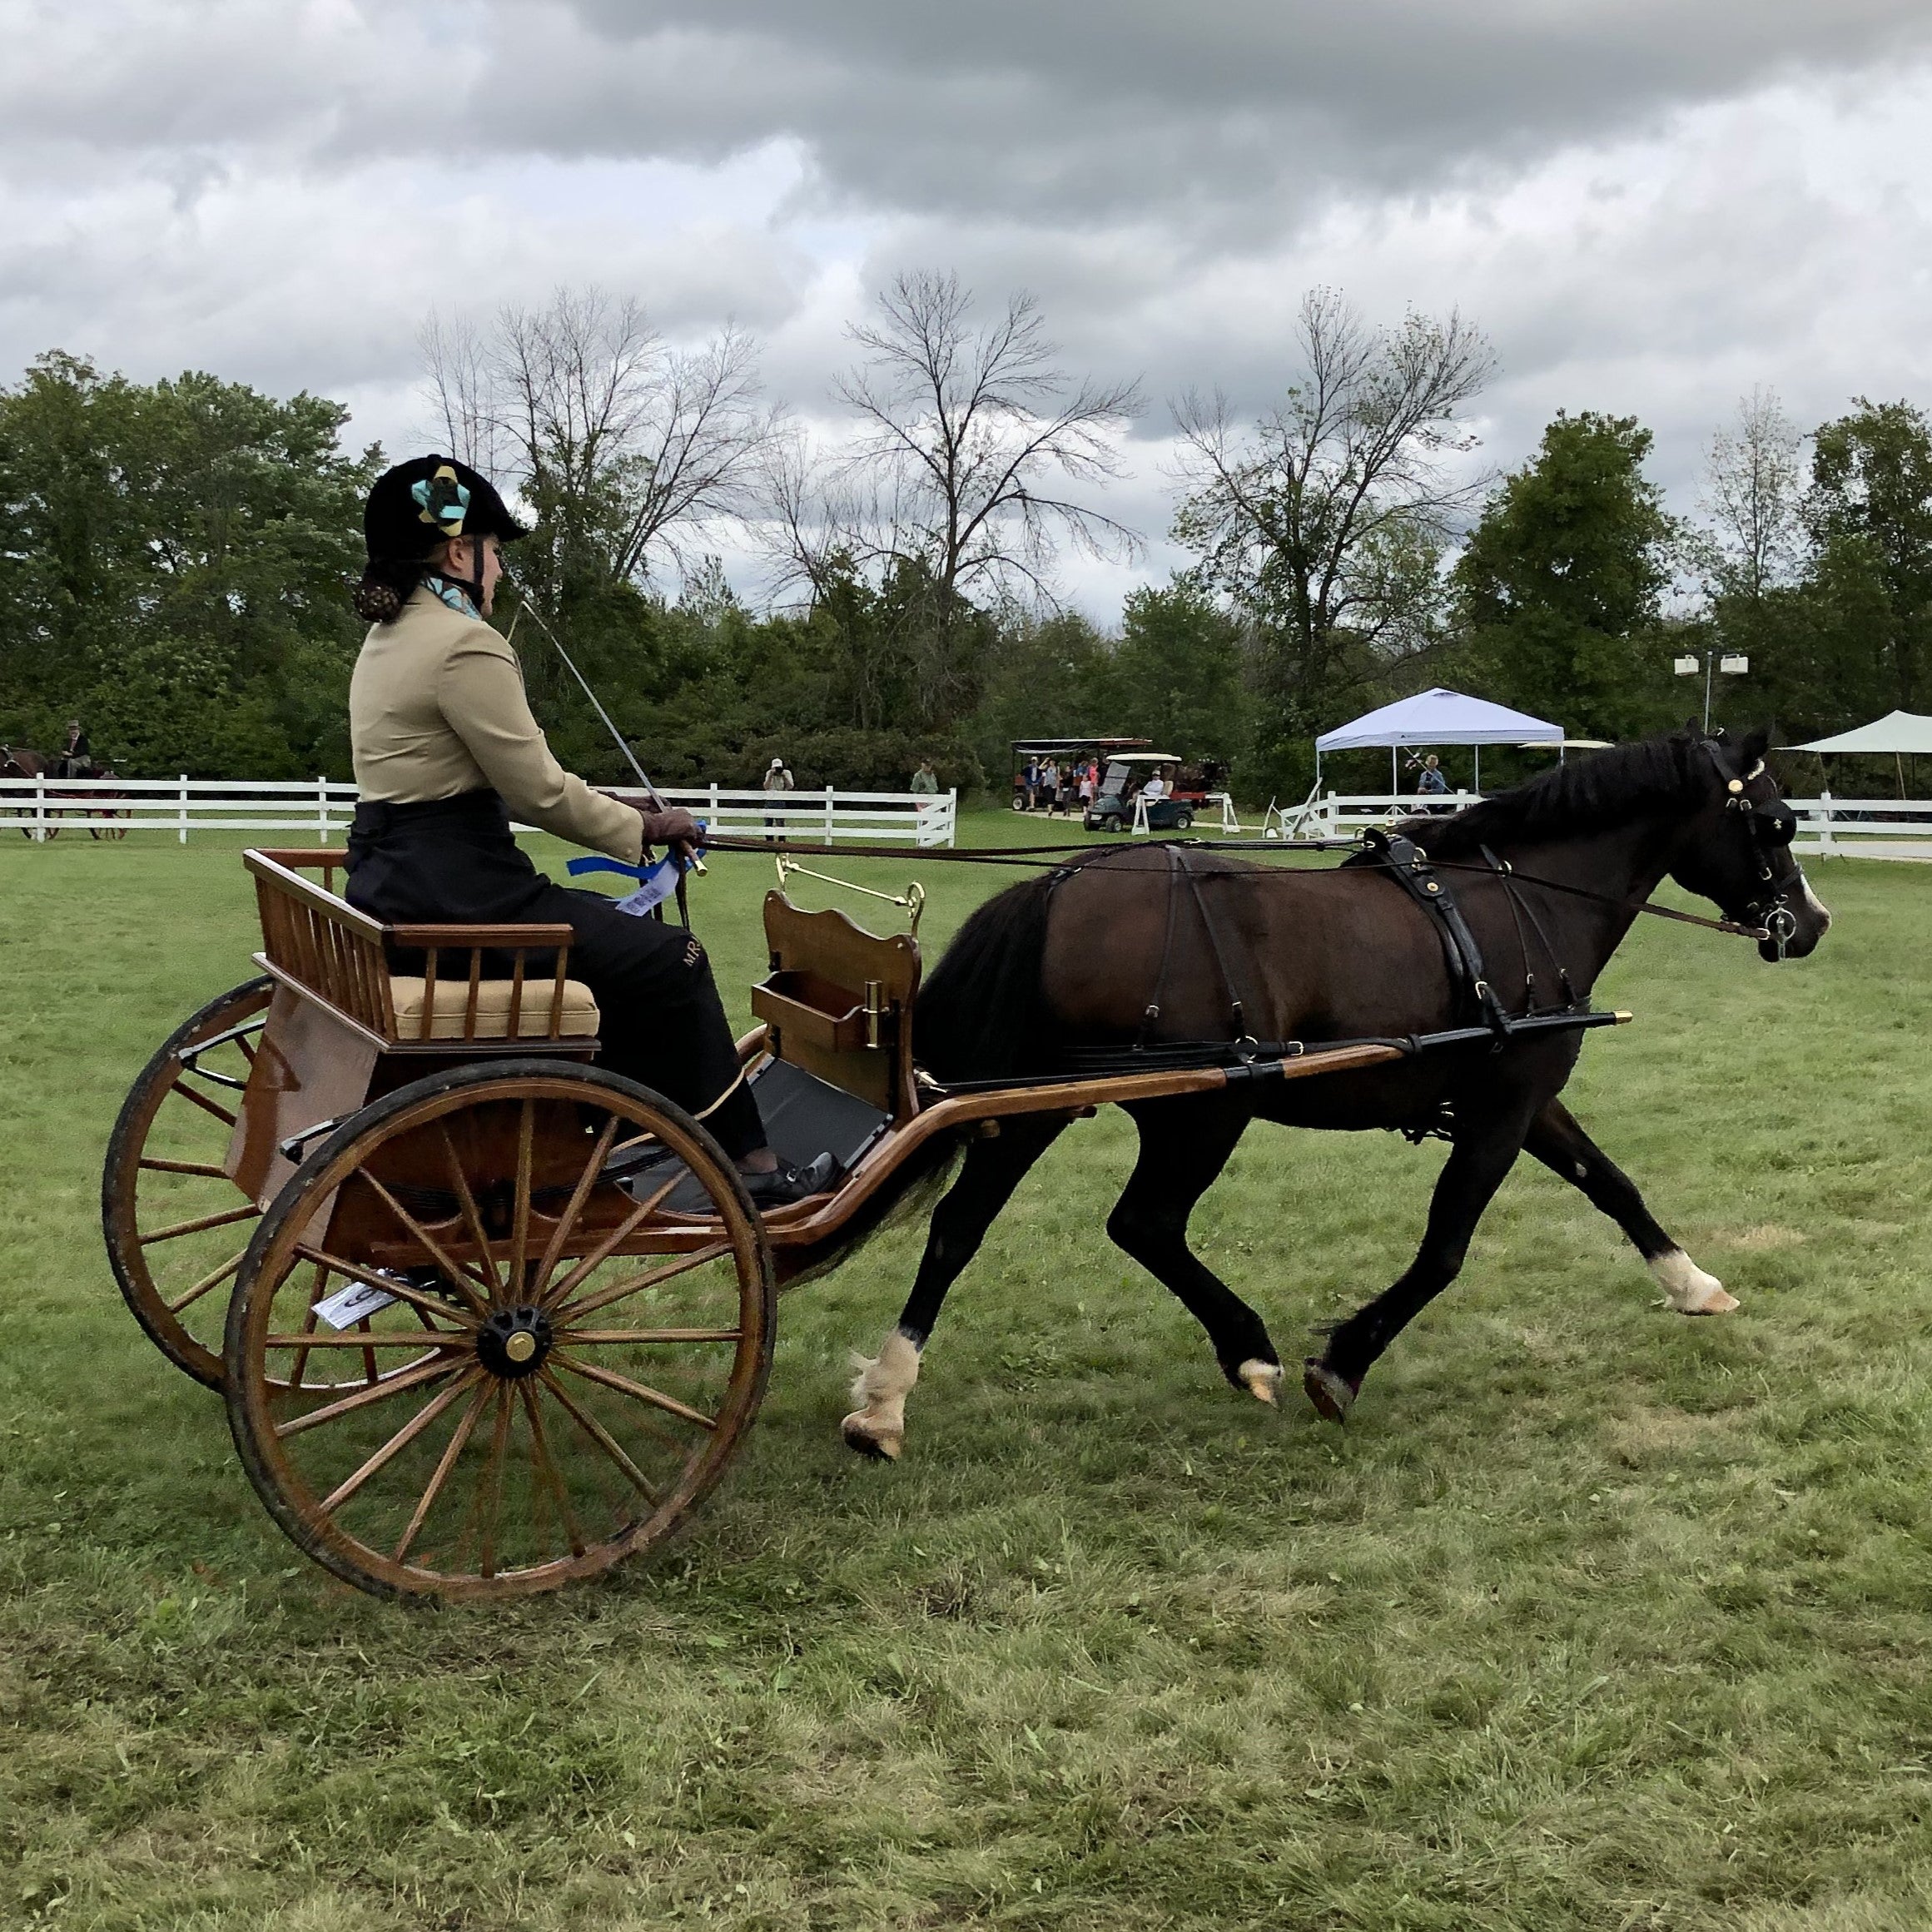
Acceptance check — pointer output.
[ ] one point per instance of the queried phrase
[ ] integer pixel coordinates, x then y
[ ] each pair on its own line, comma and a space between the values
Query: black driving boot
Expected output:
785, 1185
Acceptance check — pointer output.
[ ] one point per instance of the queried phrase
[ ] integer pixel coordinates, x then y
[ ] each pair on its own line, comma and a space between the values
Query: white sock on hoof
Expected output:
1687, 1287
877, 1427
1262, 1380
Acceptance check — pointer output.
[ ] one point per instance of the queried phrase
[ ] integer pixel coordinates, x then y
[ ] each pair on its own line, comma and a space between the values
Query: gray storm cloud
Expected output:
1650, 207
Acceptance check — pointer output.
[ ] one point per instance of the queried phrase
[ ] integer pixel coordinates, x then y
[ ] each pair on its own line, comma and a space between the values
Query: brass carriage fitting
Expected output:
1622, 1016
875, 1008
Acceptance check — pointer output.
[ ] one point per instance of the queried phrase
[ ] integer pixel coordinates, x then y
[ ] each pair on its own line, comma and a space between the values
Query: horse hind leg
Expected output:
1184, 1146
1561, 1146
994, 1168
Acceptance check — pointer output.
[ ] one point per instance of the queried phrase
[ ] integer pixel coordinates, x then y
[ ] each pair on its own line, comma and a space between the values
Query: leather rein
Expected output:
1048, 858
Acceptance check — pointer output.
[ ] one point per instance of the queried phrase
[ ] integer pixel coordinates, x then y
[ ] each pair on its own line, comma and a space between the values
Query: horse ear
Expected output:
1751, 751
1693, 727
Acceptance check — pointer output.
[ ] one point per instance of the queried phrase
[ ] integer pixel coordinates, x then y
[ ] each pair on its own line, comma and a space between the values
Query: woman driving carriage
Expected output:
446, 752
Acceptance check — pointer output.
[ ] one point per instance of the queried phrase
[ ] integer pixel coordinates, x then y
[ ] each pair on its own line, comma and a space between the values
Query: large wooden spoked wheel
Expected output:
582, 1360
177, 1226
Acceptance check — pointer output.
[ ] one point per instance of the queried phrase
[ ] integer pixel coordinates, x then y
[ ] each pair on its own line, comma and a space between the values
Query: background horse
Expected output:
1161, 945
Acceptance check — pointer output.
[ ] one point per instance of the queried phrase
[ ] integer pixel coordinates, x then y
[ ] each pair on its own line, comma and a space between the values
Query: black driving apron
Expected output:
662, 1022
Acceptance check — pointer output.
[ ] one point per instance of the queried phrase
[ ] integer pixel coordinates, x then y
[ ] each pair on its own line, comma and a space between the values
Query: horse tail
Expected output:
983, 1013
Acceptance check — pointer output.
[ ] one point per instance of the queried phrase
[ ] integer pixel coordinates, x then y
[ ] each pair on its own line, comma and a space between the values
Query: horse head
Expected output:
1737, 851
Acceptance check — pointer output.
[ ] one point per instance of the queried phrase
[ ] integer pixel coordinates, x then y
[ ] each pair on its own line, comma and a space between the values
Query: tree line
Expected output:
175, 553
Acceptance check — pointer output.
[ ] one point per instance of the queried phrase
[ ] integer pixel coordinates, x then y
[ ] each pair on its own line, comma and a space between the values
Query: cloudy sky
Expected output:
1650, 207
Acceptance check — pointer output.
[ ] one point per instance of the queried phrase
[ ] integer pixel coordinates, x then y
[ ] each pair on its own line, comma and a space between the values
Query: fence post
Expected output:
181, 819
40, 809
713, 821
1827, 845
828, 817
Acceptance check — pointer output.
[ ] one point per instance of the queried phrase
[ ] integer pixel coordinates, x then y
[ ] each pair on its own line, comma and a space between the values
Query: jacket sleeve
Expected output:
480, 693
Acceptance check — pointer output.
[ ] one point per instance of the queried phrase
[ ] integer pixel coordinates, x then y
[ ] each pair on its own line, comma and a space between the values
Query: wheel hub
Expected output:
513, 1342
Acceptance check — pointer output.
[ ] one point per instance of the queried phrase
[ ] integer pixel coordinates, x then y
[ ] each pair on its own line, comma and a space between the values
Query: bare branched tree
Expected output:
1325, 522
624, 445
1753, 496
967, 475
972, 440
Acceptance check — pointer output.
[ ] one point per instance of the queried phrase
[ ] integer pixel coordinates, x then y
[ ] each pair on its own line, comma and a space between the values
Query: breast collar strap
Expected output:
1409, 866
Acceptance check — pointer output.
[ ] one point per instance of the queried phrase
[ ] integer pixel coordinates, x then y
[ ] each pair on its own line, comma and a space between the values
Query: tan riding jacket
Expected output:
437, 707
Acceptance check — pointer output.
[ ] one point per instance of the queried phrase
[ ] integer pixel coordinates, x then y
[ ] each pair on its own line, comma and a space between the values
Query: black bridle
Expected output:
1770, 828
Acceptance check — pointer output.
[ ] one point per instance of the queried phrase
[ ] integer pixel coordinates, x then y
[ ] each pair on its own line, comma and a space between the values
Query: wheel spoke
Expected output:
389, 1285
642, 1338
609, 1246
520, 1218
447, 1463
472, 1216
205, 1168
395, 1445
638, 1391
309, 1320
406, 1340
248, 1212
207, 1282
459, 1277
602, 1437
399, 1383
493, 1482
547, 1469
651, 1277
568, 1219
368, 1355
202, 1101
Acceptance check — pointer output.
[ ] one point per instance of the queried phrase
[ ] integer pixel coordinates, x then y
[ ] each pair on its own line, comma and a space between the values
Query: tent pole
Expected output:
1477, 787
1393, 786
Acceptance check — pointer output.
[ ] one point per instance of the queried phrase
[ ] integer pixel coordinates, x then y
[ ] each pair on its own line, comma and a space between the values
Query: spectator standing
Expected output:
776, 780
1430, 783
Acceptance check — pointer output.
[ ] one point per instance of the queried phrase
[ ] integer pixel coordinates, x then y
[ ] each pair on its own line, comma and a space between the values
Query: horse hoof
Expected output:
1262, 1380
1331, 1396
862, 1437
1687, 1289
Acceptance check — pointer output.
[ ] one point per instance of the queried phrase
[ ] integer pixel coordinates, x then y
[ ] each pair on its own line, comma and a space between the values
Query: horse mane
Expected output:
1624, 782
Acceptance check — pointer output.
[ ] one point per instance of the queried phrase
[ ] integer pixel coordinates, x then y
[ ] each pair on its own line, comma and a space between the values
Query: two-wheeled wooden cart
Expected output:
498, 1319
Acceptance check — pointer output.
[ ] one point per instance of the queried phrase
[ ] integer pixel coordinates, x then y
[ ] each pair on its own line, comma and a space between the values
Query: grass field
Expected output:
1594, 1617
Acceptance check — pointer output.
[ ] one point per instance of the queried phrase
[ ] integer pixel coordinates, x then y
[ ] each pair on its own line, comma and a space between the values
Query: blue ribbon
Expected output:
655, 883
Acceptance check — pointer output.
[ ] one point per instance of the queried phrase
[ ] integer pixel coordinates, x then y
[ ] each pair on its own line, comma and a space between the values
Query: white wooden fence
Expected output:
1866, 829
322, 808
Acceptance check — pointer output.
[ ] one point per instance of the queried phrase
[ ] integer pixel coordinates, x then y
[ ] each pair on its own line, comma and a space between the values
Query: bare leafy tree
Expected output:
621, 444
1324, 522
1753, 495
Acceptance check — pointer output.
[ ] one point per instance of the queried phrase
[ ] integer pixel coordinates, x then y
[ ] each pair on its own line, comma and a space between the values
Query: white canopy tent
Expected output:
1439, 717
1896, 732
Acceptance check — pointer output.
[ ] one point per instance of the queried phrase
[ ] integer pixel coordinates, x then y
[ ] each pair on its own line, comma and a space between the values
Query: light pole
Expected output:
1730, 665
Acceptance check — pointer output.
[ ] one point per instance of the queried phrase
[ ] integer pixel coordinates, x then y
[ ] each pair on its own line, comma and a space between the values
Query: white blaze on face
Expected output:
1813, 904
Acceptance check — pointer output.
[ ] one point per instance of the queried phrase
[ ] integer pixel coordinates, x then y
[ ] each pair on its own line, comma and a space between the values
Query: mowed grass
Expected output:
1594, 1617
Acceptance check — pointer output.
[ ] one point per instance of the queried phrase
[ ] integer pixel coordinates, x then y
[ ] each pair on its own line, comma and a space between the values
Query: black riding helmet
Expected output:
426, 502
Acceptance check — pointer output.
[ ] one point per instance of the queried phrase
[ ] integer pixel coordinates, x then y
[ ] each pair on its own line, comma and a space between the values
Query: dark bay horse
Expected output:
1074, 961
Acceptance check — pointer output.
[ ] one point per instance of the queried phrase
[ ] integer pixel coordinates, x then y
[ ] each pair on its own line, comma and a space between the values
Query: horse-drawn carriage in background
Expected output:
496, 1318
106, 814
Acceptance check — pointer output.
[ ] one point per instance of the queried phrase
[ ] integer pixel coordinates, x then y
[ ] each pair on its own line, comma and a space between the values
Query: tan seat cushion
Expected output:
492, 1009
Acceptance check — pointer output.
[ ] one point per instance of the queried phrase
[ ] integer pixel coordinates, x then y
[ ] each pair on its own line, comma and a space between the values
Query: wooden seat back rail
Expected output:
322, 944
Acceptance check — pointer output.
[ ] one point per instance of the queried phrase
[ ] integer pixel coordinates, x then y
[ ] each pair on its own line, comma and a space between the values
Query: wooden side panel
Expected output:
310, 1067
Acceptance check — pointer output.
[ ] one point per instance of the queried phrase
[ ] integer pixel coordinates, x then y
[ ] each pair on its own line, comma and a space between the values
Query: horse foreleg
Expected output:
993, 1169
1482, 1156
1564, 1148
1183, 1147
